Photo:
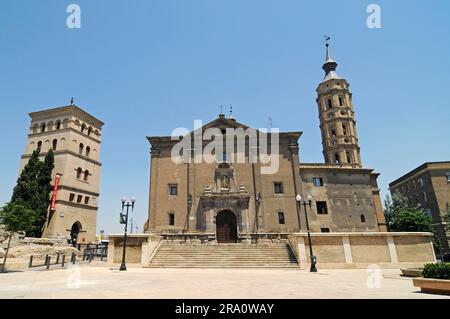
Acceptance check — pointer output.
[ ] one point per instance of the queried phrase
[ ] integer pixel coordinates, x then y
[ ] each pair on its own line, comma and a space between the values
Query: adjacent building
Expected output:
428, 187
231, 201
74, 136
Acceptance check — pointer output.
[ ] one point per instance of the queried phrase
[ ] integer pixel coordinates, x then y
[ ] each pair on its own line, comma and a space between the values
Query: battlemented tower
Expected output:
74, 137
337, 117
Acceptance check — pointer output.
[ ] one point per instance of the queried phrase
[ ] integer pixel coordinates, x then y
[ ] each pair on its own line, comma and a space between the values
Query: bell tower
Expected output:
337, 117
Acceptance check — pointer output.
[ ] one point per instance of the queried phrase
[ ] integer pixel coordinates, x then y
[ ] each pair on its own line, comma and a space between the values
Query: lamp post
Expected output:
124, 220
308, 202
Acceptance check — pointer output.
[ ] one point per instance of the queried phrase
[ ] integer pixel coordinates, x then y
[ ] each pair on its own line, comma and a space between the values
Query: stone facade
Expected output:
188, 196
74, 136
428, 186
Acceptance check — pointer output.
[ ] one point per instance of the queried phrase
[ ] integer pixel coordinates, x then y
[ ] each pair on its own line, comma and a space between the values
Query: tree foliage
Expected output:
17, 217
401, 217
33, 188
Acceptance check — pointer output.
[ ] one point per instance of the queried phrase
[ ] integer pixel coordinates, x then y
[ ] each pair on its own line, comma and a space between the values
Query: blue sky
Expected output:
145, 67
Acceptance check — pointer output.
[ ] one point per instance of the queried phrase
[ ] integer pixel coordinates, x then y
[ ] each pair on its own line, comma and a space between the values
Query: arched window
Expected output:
89, 131
43, 127
80, 148
54, 144
58, 124
39, 144
336, 158
88, 150
79, 171
349, 157
86, 175
363, 218
83, 127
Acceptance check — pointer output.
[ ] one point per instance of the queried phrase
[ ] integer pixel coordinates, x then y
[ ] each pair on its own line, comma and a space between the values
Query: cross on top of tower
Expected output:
72, 102
330, 65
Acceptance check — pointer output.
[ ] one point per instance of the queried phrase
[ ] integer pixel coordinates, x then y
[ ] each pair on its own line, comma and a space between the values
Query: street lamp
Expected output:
124, 220
308, 202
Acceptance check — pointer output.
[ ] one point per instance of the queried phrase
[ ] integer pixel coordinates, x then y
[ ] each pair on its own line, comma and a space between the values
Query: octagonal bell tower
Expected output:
337, 117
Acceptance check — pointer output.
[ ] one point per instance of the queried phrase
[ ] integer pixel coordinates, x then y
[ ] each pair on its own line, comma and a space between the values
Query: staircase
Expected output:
224, 256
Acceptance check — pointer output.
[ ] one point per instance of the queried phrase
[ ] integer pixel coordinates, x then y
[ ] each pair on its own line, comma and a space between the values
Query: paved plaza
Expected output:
103, 282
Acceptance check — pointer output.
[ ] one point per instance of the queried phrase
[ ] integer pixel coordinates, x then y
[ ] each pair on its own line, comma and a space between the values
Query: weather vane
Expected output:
71, 101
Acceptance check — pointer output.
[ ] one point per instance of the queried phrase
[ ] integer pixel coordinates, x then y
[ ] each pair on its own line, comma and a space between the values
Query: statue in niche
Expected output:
225, 182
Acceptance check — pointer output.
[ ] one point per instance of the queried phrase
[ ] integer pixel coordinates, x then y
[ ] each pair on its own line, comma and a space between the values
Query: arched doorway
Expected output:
226, 227
75, 230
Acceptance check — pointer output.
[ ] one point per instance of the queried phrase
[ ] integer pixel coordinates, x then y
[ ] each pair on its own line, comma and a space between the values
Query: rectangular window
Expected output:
171, 219
324, 230
318, 181
322, 208
341, 101
278, 187
173, 190
86, 200
79, 198
71, 197
330, 104
281, 219
344, 129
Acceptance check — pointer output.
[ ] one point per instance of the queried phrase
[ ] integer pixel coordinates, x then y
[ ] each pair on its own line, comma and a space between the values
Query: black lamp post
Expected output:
124, 220
308, 202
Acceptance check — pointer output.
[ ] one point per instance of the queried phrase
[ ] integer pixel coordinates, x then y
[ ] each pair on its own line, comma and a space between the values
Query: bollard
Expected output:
73, 258
31, 262
63, 260
90, 256
57, 259
101, 254
47, 261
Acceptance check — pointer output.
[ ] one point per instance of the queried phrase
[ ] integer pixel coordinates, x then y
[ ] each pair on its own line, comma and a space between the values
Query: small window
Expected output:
278, 187
330, 104
86, 175
83, 128
71, 197
89, 131
322, 208
341, 101
344, 129
363, 218
58, 125
79, 198
88, 151
333, 133
173, 189
43, 127
281, 219
86, 200
79, 171
55, 144
337, 159
171, 219
318, 181
39, 144
80, 148
324, 230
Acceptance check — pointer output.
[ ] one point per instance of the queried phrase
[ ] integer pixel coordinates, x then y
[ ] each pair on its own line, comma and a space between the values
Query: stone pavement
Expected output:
103, 282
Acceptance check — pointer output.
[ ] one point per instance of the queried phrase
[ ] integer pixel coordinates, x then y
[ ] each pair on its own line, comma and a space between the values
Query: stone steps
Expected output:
224, 256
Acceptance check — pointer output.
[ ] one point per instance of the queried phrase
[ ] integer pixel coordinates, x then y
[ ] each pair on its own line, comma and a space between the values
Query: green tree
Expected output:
446, 218
33, 189
393, 206
411, 220
42, 199
27, 186
15, 218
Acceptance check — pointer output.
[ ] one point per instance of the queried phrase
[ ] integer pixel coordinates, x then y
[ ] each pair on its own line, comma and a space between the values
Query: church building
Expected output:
232, 201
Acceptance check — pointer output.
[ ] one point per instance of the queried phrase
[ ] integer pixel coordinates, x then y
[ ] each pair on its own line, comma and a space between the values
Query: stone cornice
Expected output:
79, 205
70, 110
78, 190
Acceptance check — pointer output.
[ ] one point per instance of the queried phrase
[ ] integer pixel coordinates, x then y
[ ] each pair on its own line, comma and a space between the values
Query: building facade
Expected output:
229, 200
74, 136
428, 187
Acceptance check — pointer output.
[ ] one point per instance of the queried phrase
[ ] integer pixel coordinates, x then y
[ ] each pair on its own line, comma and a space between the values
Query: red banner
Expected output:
55, 192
